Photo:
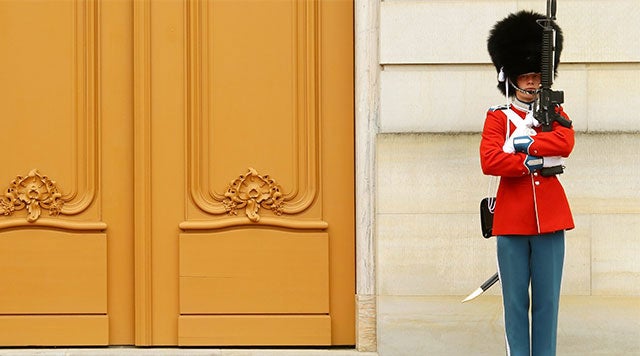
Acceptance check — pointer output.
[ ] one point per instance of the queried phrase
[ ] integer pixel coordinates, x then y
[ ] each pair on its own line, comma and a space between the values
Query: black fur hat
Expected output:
515, 45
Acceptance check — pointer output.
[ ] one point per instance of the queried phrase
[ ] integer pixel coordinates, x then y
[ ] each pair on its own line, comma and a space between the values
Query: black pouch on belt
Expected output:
486, 216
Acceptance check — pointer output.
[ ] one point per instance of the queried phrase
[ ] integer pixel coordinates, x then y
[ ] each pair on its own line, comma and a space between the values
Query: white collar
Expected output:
521, 105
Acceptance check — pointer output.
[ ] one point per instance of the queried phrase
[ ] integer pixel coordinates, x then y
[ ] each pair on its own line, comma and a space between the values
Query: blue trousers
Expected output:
535, 260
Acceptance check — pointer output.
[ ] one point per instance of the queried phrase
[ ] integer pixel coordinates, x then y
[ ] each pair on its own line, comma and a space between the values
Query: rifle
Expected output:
548, 99
544, 109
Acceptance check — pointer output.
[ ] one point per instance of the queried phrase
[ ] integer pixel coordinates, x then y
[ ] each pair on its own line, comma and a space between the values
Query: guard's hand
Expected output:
530, 121
553, 161
533, 163
522, 143
522, 131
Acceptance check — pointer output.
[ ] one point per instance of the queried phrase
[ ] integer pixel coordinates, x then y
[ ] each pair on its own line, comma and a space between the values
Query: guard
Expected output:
531, 212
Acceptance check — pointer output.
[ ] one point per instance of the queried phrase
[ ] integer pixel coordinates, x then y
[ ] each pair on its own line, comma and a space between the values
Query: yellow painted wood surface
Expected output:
230, 330
53, 272
254, 271
338, 182
71, 330
116, 178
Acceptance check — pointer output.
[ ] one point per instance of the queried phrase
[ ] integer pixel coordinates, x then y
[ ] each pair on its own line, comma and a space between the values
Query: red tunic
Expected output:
526, 203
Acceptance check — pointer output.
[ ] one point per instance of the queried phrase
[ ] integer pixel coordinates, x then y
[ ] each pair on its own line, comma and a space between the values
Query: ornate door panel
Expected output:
251, 147
60, 229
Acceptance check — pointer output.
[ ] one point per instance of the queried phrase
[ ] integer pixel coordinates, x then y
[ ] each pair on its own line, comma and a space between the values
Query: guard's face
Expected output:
529, 82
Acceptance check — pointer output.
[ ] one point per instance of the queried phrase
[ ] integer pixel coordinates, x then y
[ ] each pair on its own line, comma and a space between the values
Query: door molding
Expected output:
142, 168
302, 194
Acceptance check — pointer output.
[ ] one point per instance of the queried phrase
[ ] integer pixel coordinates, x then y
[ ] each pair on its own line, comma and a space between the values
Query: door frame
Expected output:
367, 109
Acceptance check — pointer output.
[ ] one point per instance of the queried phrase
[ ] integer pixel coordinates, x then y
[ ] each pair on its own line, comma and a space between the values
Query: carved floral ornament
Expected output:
252, 192
33, 192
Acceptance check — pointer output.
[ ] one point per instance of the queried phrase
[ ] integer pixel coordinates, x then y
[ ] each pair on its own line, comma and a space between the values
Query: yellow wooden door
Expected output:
177, 173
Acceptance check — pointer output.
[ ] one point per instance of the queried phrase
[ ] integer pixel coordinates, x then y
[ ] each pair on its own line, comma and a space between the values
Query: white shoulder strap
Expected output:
513, 117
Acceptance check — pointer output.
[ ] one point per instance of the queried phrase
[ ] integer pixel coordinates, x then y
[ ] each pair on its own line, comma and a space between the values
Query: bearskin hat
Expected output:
515, 45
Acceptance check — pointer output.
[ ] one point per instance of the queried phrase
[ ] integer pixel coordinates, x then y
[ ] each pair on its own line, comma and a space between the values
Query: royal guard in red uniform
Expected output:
531, 210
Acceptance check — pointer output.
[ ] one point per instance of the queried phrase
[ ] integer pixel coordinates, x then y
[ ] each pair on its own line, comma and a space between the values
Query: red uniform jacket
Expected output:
526, 203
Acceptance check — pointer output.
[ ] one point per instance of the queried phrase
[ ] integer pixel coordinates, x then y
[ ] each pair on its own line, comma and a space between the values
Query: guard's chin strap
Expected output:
530, 92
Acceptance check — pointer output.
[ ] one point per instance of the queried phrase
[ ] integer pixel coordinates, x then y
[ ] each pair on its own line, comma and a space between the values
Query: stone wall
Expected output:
435, 85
